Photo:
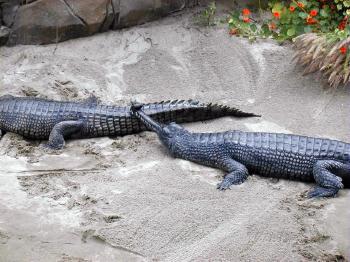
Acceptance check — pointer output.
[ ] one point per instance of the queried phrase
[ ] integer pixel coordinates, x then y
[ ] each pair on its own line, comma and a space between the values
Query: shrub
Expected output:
327, 53
320, 28
293, 18
299, 17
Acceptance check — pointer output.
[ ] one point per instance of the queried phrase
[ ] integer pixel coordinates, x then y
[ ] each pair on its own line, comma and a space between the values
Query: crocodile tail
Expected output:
223, 110
182, 111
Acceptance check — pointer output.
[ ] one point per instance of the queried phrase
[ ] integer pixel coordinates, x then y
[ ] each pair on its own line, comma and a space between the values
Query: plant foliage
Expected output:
292, 18
207, 16
320, 28
327, 53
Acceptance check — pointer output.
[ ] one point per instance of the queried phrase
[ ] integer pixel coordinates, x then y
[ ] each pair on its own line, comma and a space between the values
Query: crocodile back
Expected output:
320, 148
35, 118
105, 120
279, 155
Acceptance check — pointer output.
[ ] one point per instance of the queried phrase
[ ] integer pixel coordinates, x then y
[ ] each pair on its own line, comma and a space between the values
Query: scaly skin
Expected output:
324, 161
45, 119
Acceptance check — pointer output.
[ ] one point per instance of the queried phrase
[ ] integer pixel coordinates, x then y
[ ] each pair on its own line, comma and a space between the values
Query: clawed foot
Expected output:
223, 185
229, 181
323, 192
52, 147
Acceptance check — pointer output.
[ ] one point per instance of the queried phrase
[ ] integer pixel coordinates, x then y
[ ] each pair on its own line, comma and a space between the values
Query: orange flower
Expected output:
343, 23
277, 15
313, 12
272, 26
343, 49
292, 8
310, 20
300, 4
246, 12
341, 26
246, 19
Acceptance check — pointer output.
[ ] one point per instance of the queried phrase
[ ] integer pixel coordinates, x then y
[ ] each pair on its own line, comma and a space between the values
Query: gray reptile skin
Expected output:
45, 119
324, 161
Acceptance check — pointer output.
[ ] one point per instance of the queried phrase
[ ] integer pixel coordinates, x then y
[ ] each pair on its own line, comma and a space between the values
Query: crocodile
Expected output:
42, 119
309, 159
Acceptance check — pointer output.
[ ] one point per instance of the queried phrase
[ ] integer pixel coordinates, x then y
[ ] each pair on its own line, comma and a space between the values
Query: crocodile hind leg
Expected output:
326, 176
238, 173
62, 130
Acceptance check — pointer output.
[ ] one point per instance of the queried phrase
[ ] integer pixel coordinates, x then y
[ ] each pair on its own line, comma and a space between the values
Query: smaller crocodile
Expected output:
324, 161
37, 118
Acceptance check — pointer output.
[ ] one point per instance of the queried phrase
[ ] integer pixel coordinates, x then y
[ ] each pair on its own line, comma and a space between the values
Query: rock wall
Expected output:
52, 21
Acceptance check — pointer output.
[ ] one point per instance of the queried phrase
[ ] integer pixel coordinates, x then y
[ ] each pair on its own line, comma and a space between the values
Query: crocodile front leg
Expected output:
328, 182
62, 130
238, 173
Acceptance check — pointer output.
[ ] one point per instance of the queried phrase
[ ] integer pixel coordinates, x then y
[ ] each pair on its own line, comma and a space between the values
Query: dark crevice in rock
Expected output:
26, 2
9, 26
74, 14
178, 8
104, 25
1, 19
192, 3
14, 18
9, 12
4, 35
115, 14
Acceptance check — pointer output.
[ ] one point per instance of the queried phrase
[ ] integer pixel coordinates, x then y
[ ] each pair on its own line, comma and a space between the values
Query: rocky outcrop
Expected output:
52, 21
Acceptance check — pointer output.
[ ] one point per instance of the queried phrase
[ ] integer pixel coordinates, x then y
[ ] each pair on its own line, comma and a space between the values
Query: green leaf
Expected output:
300, 30
308, 29
323, 13
323, 22
291, 31
277, 7
296, 21
303, 15
265, 30
253, 27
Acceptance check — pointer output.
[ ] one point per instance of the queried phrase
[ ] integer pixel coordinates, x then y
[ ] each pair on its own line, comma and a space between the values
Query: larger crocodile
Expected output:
324, 161
42, 119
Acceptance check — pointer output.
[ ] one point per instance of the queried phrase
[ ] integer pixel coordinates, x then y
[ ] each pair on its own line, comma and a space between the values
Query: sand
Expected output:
126, 198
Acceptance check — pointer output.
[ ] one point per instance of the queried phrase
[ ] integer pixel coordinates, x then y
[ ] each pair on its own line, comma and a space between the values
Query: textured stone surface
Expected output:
9, 10
4, 34
44, 22
92, 13
140, 11
51, 21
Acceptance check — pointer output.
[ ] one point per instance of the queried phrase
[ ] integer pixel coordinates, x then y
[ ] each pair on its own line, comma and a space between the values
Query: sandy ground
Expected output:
126, 199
